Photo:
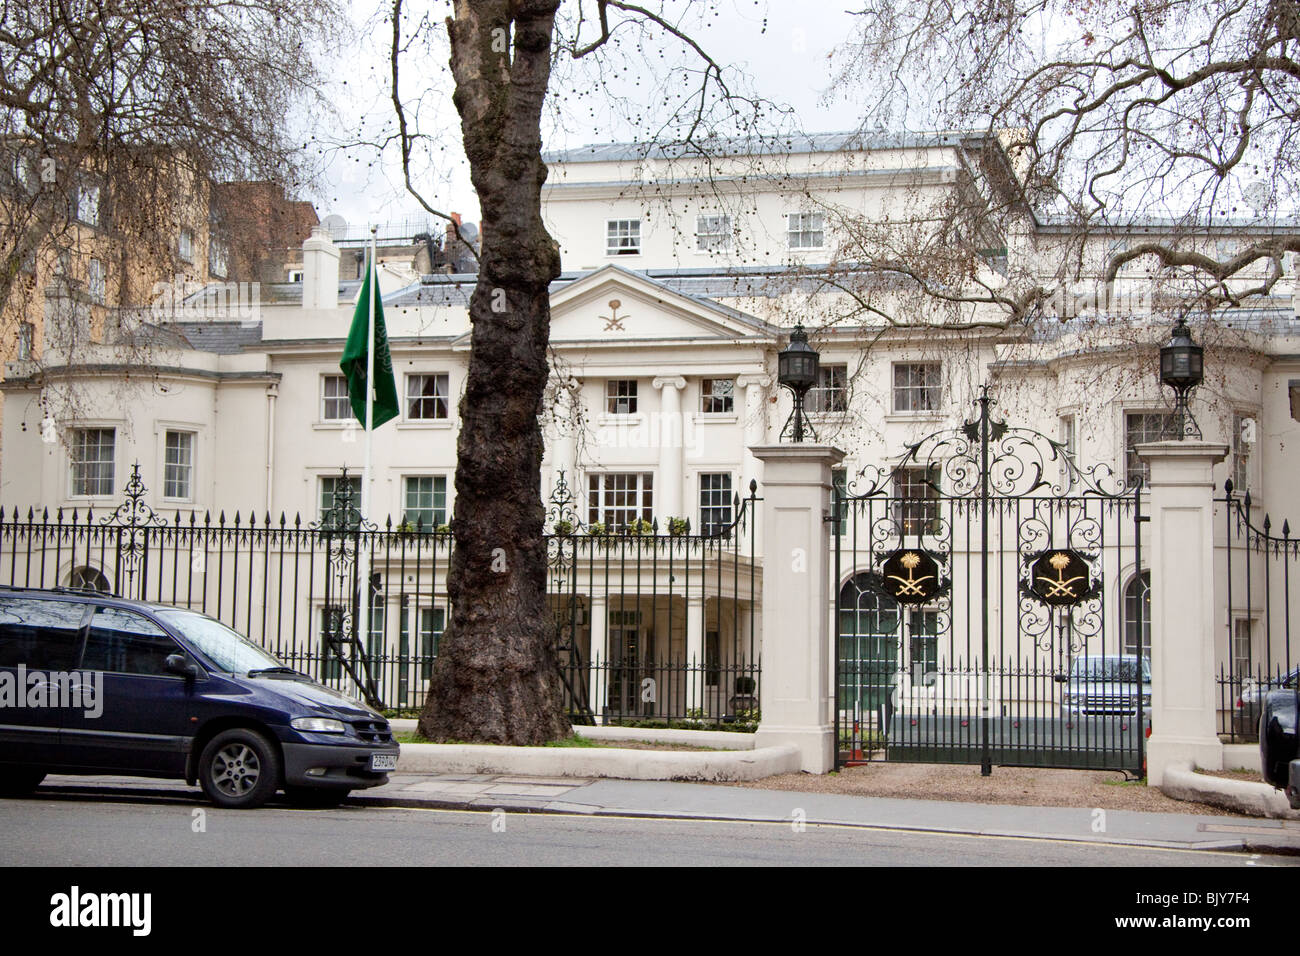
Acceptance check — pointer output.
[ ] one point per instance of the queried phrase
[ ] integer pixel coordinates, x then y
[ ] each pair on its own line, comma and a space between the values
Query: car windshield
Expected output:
1111, 668
228, 649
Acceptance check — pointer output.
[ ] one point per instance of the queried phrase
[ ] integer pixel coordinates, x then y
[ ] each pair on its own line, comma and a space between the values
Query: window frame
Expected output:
326, 398
322, 510
921, 393
188, 466
707, 396
611, 400
411, 400
825, 391
1069, 430
715, 527
1241, 450
26, 341
599, 491
622, 238
805, 220
438, 515
1139, 642
185, 244
1240, 624
713, 240
1131, 459
73, 462
916, 499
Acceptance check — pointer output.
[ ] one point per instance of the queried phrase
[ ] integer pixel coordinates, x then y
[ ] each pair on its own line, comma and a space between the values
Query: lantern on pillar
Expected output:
1182, 368
797, 368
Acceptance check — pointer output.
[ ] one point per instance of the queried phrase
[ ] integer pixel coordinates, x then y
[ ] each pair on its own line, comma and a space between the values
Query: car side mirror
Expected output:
177, 664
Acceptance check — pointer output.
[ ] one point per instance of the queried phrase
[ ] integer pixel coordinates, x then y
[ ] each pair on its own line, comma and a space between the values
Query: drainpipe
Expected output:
272, 391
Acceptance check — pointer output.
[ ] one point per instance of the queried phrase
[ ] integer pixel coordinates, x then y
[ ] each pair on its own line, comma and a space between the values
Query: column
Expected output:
1180, 555
796, 695
754, 422
672, 441
598, 675
695, 651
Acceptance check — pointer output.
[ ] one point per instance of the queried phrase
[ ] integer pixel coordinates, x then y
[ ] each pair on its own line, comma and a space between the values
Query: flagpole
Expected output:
364, 557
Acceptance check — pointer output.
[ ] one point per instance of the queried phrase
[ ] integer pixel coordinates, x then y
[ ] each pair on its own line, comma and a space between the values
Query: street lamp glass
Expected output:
1182, 361
798, 365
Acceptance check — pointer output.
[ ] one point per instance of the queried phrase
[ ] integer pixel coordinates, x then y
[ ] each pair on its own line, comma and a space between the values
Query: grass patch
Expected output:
574, 741
1141, 782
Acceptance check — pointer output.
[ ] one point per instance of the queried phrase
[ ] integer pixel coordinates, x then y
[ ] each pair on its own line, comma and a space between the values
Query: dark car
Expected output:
1246, 712
91, 684
1278, 742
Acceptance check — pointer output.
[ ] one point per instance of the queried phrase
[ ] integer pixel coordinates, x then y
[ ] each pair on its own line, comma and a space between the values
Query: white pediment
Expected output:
612, 306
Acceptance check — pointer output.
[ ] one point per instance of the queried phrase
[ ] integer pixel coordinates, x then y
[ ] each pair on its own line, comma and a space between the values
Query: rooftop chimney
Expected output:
320, 271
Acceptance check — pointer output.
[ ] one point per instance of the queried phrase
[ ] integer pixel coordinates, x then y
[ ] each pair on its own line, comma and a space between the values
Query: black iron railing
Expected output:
1255, 655
650, 626
977, 577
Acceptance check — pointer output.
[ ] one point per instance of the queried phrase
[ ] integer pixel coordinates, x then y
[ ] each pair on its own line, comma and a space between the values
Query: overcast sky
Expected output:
787, 58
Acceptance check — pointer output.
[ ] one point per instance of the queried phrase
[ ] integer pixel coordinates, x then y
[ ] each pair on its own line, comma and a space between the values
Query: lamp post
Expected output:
1182, 368
796, 369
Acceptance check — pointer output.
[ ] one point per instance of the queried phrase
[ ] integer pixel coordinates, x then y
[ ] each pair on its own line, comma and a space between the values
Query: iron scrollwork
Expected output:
134, 521
983, 468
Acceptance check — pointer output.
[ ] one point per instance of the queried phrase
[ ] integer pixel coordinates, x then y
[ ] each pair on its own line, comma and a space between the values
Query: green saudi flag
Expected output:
354, 360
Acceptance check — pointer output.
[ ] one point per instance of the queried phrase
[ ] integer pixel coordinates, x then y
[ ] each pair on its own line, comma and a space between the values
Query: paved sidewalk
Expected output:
572, 795
707, 801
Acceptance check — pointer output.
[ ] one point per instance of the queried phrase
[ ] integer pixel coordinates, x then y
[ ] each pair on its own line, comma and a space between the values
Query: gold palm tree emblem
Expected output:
911, 585
1061, 587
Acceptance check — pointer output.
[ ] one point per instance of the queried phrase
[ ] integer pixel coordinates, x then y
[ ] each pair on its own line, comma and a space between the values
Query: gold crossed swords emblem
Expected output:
910, 585
1062, 586
613, 321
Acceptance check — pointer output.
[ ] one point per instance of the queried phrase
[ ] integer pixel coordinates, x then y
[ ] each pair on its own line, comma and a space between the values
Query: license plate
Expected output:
383, 761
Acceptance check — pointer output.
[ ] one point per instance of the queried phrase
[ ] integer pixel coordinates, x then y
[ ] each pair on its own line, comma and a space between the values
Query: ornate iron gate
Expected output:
980, 613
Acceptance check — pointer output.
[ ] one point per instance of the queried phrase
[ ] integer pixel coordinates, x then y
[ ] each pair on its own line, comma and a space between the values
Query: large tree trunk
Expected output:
496, 678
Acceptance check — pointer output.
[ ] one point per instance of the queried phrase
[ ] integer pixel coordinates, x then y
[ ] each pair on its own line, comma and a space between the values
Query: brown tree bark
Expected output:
496, 678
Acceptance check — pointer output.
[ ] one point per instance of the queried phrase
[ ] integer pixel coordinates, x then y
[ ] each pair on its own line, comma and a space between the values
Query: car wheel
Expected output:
318, 797
18, 781
239, 769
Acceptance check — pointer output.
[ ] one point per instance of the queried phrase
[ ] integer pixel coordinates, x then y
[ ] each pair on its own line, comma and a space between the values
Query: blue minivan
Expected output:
92, 684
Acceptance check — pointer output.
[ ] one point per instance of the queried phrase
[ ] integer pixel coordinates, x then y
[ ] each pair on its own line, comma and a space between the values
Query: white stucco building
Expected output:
679, 290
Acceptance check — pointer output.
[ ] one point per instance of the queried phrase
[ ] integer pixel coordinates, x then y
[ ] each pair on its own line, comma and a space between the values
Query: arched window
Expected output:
868, 642
1137, 615
866, 608
87, 578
